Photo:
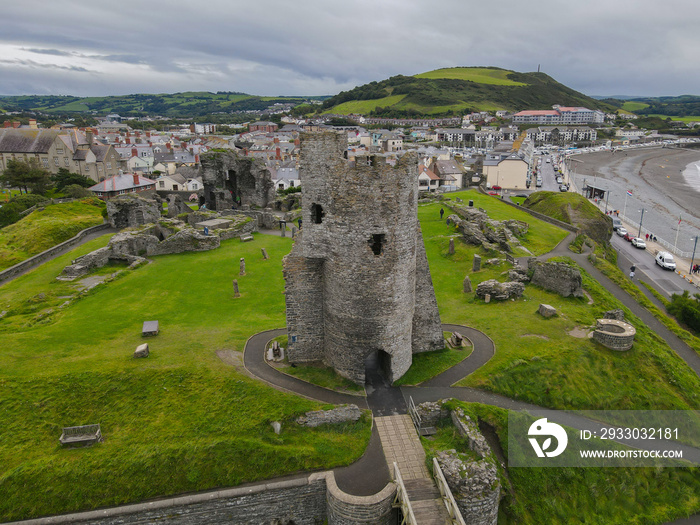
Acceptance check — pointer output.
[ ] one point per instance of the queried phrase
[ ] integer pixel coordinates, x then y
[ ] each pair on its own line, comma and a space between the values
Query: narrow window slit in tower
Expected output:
376, 242
317, 213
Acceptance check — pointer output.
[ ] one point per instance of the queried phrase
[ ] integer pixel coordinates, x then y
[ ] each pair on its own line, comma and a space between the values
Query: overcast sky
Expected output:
321, 47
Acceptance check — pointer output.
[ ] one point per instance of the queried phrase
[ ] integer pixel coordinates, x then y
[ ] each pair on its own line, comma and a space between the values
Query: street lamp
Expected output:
640, 224
692, 259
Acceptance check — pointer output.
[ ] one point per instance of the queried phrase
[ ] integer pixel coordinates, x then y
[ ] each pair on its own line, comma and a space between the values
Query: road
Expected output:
666, 280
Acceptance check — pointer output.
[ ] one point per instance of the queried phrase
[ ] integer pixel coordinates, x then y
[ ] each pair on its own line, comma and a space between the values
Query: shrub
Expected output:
686, 309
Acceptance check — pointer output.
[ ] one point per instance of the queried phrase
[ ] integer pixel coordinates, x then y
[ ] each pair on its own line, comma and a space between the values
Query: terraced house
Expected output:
54, 149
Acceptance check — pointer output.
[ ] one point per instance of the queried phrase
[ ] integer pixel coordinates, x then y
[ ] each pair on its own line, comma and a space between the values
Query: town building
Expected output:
121, 184
54, 149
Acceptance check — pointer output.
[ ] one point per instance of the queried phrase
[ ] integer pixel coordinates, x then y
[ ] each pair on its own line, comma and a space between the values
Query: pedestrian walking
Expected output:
442, 212
632, 270
299, 222
647, 236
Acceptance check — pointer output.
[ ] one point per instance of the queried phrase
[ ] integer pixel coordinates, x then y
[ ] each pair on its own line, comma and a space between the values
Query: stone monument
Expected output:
357, 278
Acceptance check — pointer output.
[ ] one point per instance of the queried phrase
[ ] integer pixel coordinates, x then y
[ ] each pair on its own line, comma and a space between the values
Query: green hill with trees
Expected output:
188, 104
458, 90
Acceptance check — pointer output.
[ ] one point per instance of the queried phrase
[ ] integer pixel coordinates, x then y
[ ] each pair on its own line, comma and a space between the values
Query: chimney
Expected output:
88, 137
134, 152
278, 154
16, 124
167, 145
136, 179
276, 140
150, 144
127, 140
296, 142
245, 152
148, 134
196, 159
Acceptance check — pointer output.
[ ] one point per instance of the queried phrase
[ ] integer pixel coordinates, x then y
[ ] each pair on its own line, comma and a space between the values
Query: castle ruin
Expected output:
233, 180
357, 279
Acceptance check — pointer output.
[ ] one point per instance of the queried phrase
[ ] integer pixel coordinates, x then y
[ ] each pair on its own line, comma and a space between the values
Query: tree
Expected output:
65, 178
25, 176
77, 191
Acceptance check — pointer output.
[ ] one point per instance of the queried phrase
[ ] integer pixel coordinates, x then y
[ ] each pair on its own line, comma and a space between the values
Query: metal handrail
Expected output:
402, 497
447, 497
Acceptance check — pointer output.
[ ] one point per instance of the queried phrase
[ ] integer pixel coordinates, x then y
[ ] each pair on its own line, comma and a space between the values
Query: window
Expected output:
317, 213
55, 161
59, 151
45, 162
161, 184
99, 167
109, 165
376, 243
66, 161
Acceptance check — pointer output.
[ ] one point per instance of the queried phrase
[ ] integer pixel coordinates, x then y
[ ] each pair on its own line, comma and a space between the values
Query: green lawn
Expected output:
480, 75
180, 420
42, 229
634, 106
692, 118
365, 106
187, 418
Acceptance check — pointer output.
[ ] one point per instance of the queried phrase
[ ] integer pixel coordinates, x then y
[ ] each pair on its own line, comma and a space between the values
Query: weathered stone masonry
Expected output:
357, 279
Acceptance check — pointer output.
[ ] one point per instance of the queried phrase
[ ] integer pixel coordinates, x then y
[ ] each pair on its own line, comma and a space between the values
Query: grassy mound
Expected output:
573, 209
47, 227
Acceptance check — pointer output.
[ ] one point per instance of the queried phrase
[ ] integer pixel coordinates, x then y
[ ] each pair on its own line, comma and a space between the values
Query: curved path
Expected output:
384, 399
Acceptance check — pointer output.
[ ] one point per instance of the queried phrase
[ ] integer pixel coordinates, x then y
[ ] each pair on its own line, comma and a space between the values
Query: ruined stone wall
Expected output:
361, 220
229, 178
427, 328
304, 298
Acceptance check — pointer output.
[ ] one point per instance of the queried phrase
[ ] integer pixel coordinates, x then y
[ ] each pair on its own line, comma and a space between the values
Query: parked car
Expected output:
621, 231
628, 237
665, 260
493, 193
496, 187
563, 187
617, 223
639, 243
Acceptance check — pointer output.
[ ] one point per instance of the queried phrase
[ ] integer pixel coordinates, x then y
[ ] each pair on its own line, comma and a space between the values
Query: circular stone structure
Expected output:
614, 334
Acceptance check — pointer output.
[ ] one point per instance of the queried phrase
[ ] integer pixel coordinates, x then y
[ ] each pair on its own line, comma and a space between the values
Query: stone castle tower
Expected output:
357, 278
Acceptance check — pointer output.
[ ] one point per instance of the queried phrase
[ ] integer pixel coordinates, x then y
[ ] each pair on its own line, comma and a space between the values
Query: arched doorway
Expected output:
378, 368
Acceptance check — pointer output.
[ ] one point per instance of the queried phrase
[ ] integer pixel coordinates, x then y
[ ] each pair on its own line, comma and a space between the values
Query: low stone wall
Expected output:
307, 500
614, 334
20, 268
344, 509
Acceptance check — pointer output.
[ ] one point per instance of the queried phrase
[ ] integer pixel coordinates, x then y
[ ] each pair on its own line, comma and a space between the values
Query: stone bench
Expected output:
82, 435
246, 238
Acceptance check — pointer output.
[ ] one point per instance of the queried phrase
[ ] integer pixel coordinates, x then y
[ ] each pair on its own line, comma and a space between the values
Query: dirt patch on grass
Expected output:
579, 332
588, 296
536, 335
234, 359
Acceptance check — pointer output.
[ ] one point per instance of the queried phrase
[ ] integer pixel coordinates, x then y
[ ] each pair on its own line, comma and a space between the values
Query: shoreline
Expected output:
657, 180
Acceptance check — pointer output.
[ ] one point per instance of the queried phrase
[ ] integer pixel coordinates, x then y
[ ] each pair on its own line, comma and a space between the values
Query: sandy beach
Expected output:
665, 182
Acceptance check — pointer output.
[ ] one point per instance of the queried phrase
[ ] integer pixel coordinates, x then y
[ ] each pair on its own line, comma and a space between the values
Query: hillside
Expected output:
188, 104
46, 227
683, 106
456, 90
573, 209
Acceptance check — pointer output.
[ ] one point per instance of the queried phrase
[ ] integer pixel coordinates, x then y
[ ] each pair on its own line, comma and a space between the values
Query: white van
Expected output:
617, 223
665, 260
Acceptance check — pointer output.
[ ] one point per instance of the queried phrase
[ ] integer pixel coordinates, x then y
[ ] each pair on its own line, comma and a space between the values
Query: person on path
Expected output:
632, 270
442, 212
299, 222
